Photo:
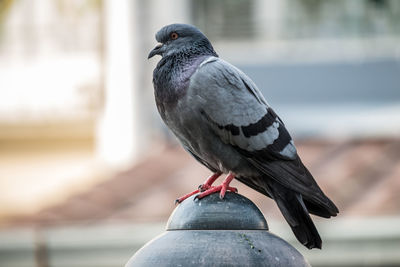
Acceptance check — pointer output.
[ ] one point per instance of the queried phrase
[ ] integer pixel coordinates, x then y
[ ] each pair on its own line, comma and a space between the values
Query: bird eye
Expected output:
174, 36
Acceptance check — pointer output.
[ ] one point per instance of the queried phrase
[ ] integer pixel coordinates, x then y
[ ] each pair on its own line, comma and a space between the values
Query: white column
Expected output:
117, 135
127, 124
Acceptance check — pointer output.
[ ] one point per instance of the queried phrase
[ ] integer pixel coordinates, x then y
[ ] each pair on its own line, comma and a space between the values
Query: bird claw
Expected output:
204, 187
213, 189
207, 188
228, 188
181, 199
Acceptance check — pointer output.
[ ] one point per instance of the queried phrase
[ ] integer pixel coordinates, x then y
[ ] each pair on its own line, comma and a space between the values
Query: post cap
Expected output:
215, 232
234, 212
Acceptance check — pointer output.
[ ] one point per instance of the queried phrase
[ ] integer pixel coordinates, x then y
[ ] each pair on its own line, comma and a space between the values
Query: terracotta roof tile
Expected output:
361, 176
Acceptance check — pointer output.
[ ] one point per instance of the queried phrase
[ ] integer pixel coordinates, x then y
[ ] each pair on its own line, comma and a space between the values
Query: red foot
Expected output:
207, 184
207, 188
182, 198
220, 188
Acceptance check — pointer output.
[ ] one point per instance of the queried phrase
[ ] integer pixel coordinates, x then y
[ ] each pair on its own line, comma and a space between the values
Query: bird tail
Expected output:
296, 214
324, 207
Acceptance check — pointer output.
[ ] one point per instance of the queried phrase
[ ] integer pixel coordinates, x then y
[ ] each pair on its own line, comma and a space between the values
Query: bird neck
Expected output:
172, 75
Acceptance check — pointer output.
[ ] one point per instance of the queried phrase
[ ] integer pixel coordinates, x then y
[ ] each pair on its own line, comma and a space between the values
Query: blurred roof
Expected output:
361, 176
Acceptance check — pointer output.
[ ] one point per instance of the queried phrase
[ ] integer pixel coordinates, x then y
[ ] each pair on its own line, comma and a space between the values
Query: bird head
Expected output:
181, 38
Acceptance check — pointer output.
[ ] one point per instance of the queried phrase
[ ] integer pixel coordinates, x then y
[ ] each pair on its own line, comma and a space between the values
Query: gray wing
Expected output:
238, 112
240, 116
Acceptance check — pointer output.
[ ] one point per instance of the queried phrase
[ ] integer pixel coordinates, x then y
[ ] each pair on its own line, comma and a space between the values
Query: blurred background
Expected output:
88, 172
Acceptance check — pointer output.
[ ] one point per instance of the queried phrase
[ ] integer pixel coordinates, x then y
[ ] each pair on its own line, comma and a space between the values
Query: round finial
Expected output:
215, 232
234, 212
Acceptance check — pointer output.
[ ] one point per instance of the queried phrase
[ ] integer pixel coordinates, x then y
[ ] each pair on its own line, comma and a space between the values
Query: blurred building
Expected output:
87, 168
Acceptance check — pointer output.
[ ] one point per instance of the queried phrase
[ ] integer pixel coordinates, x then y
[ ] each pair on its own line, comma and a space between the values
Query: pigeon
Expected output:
221, 118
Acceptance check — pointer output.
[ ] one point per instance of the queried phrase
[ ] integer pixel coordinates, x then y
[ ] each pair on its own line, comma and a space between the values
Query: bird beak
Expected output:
158, 50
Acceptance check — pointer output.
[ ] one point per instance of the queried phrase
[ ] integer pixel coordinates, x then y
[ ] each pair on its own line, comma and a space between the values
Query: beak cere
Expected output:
156, 51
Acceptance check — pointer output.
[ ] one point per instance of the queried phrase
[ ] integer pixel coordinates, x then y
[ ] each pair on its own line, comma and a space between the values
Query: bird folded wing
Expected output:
239, 115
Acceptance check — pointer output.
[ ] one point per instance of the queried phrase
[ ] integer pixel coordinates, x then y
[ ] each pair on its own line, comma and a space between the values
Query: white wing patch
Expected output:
263, 139
289, 150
